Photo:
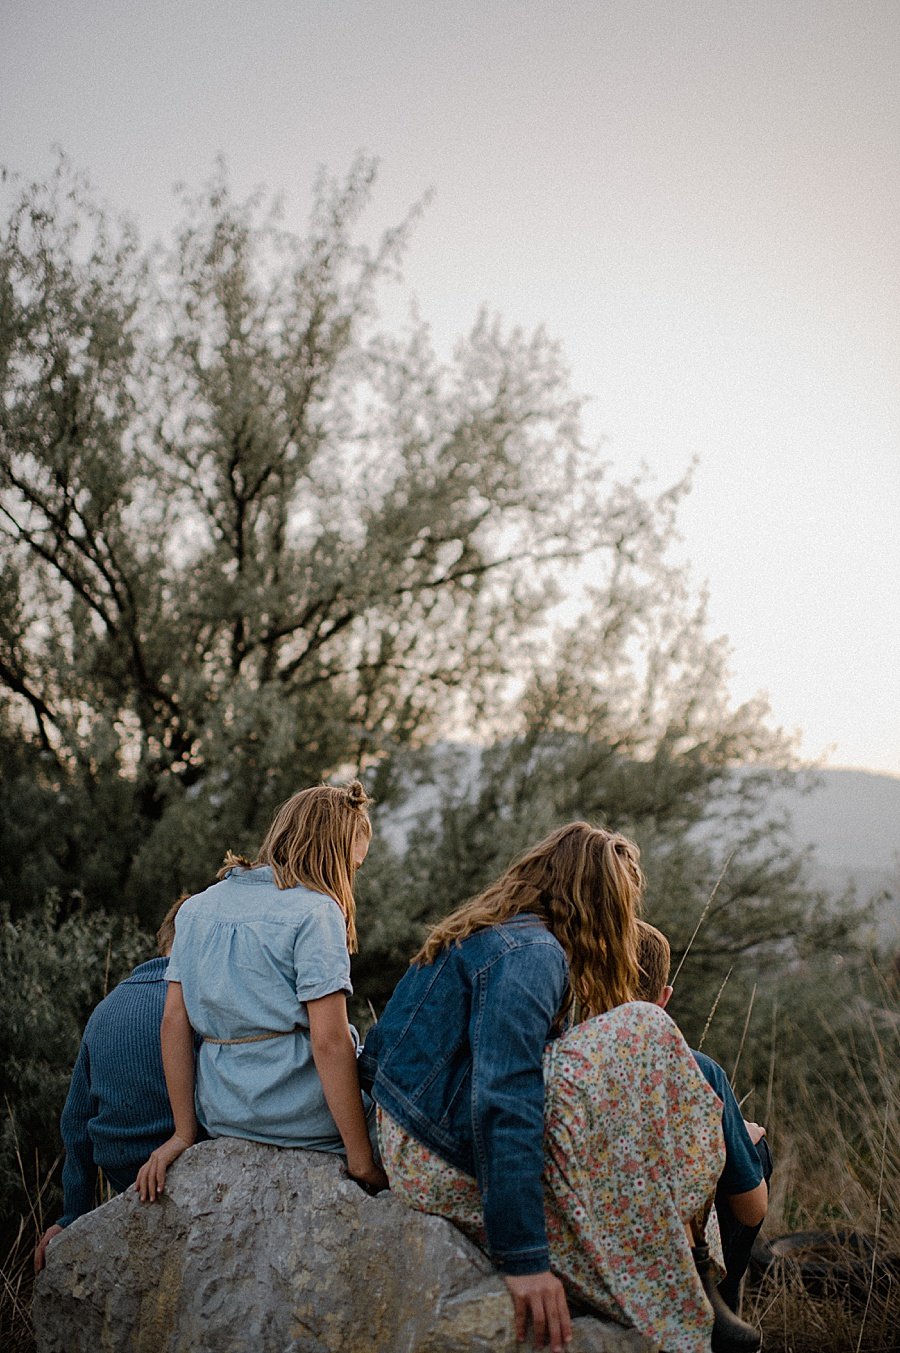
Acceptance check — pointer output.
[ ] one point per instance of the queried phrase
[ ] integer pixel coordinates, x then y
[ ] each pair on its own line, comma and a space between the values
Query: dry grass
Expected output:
17, 1272
795, 1321
17, 1278
838, 1173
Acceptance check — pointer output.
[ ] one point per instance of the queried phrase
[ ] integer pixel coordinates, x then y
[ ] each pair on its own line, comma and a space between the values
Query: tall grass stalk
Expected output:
16, 1333
877, 1231
17, 1272
770, 1084
703, 915
737, 1060
712, 1010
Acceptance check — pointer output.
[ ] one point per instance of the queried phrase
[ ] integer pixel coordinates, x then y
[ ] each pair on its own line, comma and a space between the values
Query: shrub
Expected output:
53, 971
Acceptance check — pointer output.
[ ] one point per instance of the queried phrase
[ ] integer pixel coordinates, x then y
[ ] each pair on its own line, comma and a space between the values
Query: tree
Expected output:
626, 721
245, 540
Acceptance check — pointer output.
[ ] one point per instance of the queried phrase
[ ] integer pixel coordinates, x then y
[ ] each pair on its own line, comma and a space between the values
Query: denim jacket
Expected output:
456, 1060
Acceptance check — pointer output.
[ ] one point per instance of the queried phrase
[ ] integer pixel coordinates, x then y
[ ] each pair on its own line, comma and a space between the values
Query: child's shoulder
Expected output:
710, 1069
242, 899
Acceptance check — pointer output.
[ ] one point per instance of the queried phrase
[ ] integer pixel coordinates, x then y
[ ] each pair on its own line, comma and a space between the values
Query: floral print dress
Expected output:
632, 1148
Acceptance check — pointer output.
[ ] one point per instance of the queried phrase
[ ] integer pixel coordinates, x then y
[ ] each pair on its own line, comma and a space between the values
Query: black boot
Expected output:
730, 1333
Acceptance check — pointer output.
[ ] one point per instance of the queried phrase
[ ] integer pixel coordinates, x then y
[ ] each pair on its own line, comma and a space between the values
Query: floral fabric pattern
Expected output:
633, 1148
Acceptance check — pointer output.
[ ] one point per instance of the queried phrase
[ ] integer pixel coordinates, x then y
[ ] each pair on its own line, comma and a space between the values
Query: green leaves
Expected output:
253, 540
55, 965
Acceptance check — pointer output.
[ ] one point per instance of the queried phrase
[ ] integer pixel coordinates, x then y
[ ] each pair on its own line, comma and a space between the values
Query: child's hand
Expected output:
40, 1254
372, 1178
755, 1131
151, 1179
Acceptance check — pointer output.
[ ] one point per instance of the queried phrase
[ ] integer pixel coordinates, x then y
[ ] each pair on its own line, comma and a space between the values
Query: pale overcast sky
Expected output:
699, 198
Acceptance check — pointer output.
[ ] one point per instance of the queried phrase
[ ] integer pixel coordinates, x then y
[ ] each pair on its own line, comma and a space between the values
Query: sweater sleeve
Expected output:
79, 1170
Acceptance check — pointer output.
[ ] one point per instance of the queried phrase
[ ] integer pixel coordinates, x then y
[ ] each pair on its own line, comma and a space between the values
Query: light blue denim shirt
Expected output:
249, 956
456, 1059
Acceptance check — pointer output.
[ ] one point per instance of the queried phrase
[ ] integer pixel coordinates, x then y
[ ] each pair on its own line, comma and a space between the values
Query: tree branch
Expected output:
40, 708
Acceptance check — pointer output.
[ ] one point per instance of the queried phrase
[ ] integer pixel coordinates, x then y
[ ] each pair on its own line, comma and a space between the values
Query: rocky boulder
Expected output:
256, 1248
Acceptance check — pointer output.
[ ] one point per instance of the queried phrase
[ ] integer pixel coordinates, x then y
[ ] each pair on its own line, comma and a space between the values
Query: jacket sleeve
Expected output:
515, 1001
79, 1170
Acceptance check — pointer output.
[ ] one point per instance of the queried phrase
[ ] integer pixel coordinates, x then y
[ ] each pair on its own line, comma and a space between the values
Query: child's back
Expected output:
249, 955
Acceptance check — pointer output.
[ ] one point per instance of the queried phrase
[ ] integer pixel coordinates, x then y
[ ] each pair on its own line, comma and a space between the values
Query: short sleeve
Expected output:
181, 952
173, 971
742, 1167
321, 959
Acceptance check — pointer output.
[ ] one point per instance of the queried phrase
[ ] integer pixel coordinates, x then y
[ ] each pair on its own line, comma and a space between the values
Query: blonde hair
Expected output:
586, 885
655, 959
310, 843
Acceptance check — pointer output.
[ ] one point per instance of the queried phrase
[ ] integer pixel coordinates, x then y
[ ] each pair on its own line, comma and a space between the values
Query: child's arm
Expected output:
79, 1170
335, 1059
750, 1208
40, 1253
177, 1039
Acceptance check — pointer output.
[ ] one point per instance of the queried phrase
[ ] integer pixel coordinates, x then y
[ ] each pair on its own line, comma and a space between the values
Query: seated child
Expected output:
117, 1110
260, 971
742, 1192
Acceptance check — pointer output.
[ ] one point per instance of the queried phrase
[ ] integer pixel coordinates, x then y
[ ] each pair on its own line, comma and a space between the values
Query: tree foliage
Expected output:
248, 541
245, 539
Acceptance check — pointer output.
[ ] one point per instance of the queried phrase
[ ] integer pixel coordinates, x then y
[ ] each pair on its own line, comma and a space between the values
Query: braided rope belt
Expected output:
251, 1038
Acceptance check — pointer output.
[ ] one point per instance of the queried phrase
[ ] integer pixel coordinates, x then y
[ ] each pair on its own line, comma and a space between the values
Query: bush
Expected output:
53, 971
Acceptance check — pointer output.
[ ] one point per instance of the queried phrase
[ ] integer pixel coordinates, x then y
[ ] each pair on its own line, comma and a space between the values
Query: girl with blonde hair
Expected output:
567, 1133
260, 971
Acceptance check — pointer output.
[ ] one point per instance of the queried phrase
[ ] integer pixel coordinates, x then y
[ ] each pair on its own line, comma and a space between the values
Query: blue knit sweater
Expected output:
117, 1110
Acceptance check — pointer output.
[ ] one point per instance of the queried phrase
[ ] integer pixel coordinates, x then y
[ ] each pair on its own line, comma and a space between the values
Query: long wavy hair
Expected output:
311, 841
586, 885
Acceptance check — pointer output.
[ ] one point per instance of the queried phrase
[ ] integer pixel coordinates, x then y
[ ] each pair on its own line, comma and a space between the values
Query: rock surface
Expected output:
256, 1248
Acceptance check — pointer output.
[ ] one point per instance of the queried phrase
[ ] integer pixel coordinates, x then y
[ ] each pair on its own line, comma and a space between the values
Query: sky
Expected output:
699, 198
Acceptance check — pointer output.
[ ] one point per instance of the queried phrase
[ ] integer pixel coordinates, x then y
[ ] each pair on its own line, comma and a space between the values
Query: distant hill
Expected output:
850, 817
851, 821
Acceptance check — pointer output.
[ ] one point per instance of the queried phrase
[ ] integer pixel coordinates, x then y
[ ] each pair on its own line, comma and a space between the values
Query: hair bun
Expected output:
233, 861
356, 795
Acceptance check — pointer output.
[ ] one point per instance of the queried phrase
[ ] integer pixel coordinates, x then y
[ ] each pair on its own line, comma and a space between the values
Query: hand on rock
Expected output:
540, 1301
373, 1179
151, 1180
40, 1253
